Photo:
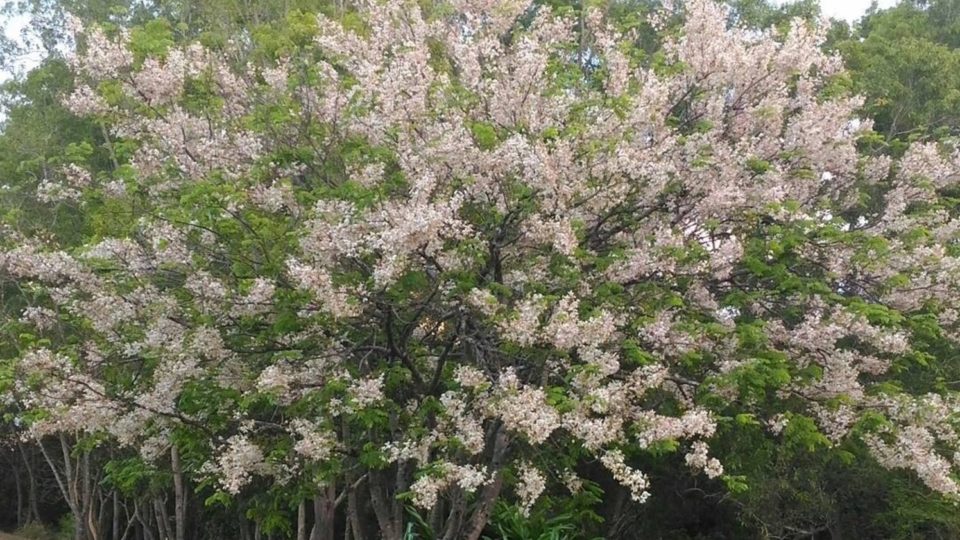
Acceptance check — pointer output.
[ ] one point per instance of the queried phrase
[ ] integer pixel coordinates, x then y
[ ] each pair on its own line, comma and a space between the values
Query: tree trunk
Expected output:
390, 529
145, 520
104, 514
302, 520
353, 513
19, 488
33, 512
163, 519
244, 529
324, 514
88, 497
116, 517
70, 476
492, 490
458, 509
482, 514
436, 515
179, 494
65, 481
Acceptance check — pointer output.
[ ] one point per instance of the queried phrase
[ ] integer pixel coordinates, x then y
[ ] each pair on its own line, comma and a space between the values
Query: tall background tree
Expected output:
905, 60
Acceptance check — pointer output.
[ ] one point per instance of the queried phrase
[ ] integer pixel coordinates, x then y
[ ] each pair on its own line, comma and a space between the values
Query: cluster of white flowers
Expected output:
258, 300
367, 391
84, 101
39, 316
631, 479
408, 450
915, 448
315, 443
275, 378
698, 459
318, 281
51, 191
531, 484
470, 377
239, 461
693, 423
274, 198
427, 489
525, 409
465, 424
484, 301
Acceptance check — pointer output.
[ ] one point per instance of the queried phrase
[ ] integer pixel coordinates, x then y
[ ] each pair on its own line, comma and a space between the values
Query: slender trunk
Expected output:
244, 529
179, 494
19, 488
353, 513
163, 520
324, 514
353, 504
482, 514
64, 479
458, 509
116, 517
104, 514
302, 520
436, 514
73, 492
146, 529
88, 497
379, 497
109, 145
620, 501
402, 485
33, 512
131, 522
490, 493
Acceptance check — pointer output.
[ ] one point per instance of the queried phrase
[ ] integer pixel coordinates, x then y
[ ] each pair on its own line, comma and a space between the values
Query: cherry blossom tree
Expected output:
427, 258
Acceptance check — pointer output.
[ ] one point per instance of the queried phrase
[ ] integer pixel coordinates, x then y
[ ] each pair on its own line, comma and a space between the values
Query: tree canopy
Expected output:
482, 269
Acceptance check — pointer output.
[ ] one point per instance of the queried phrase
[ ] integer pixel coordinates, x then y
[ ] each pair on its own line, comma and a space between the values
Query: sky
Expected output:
11, 27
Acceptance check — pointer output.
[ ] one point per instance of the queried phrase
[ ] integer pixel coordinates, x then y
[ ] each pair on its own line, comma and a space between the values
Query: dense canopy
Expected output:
439, 269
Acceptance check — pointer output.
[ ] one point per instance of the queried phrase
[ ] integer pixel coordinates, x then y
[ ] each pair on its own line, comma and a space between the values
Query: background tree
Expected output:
905, 61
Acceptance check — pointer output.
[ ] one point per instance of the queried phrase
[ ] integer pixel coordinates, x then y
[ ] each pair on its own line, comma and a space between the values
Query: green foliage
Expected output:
905, 62
562, 516
764, 14
131, 476
510, 523
151, 39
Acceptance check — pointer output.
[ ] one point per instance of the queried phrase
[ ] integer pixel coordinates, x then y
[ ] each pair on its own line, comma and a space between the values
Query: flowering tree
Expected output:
433, 258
